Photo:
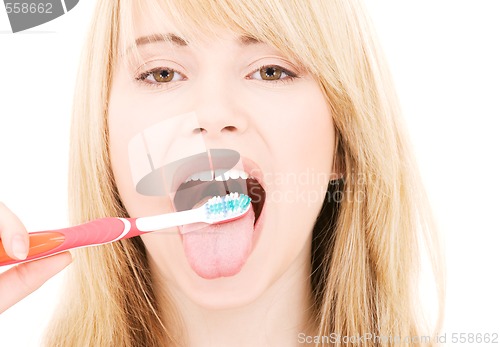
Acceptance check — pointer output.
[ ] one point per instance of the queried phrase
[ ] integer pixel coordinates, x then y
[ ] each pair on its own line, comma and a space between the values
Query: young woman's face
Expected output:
239, 94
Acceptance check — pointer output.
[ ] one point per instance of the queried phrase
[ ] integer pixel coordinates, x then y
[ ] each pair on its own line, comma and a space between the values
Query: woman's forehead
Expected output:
148, 28
190, 23
147, 33
150, 19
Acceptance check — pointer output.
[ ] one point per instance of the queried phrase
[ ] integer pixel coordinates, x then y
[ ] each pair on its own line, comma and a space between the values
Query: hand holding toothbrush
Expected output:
105, 230
37, 249
23, 279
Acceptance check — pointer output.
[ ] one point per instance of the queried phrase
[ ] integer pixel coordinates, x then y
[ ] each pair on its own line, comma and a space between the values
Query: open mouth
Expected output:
217, 250
201, 186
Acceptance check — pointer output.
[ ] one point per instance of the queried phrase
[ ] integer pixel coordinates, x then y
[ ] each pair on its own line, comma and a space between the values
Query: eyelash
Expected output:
142, 78
290, 76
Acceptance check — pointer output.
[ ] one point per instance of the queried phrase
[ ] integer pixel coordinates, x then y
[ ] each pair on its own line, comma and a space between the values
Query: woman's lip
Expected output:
254, 170
258, 226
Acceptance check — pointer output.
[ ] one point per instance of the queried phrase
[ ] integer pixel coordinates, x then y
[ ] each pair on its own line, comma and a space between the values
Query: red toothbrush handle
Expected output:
99, 231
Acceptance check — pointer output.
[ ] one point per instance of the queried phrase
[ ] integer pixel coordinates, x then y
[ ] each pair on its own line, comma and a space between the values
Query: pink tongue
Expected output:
219, 250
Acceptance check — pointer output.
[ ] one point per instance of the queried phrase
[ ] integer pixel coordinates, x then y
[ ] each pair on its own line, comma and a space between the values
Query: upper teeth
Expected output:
220, 175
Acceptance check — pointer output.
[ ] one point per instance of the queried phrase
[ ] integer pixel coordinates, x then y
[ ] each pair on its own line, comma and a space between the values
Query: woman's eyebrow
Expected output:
246, 40
243, 40
169, 37
154, 38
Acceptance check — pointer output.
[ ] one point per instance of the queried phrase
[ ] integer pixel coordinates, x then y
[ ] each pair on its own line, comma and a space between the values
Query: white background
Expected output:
444, 56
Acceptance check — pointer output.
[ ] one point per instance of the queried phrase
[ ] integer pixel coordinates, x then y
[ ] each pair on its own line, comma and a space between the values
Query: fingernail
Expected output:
19, 247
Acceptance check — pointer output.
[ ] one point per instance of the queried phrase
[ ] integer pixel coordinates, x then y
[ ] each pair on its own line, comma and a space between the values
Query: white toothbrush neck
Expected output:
169, 220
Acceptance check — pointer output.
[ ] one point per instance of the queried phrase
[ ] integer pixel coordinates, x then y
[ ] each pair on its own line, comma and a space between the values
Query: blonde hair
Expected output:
365, 250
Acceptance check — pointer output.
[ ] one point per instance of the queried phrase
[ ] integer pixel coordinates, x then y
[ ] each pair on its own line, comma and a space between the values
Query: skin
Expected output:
21, 280
284, 126
265, 302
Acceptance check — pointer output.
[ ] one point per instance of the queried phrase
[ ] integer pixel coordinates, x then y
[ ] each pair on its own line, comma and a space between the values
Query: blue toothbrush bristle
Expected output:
227, 206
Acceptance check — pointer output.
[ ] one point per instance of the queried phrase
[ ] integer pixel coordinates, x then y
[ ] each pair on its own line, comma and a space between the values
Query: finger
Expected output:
14, 236
21, 280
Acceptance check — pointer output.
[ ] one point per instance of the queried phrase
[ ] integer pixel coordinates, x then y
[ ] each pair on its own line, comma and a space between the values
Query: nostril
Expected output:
199, 131
229, 128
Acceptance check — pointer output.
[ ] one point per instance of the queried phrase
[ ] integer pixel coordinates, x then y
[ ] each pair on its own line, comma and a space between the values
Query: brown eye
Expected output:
162, 76
271, 73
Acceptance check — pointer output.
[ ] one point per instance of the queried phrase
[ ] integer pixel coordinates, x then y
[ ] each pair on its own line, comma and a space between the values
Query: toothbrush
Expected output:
105, 230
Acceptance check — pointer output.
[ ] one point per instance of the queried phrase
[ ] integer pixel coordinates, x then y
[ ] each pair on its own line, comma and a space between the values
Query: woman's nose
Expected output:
219, 110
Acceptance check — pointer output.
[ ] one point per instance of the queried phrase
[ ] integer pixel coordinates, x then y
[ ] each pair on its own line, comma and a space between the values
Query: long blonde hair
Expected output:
365, 250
